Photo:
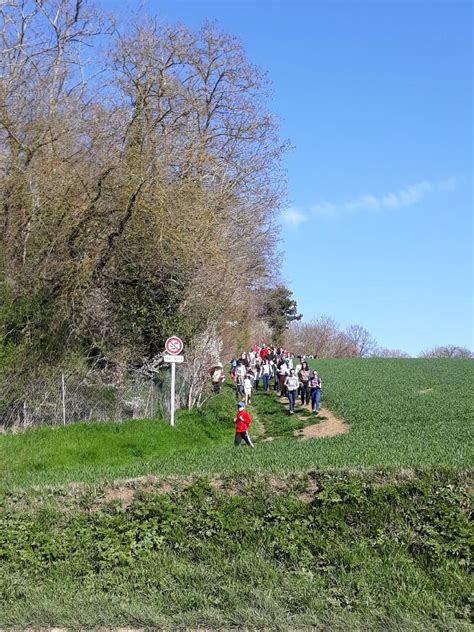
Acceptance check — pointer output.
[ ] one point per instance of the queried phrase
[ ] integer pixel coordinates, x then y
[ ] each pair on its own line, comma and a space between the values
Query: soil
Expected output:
124, 495
328, 426
125, 492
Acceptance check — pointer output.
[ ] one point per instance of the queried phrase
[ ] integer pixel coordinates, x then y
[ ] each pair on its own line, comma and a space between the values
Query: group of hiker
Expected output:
266, 364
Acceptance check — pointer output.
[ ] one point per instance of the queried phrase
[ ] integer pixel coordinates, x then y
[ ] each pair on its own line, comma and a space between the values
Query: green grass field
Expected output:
401, 413
364, 531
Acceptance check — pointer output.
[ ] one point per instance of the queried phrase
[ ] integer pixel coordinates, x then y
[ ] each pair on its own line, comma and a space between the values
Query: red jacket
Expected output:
242, 421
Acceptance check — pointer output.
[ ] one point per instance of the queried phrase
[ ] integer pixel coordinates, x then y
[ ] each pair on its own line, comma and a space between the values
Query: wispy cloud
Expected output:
293, 217
408, 196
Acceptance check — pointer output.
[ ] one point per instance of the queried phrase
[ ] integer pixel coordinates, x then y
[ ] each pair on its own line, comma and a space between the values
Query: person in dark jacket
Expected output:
304, 376
242, 423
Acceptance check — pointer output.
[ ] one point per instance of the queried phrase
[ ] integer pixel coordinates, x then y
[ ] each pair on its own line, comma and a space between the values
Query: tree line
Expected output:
140, 175
324, 338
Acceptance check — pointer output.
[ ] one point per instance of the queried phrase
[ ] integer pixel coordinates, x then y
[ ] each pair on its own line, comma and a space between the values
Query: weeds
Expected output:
354, 550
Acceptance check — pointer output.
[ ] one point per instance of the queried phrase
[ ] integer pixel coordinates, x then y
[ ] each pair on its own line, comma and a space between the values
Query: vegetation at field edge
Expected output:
330, 551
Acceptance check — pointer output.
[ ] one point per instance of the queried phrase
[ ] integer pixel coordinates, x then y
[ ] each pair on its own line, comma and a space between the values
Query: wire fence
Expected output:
61, 397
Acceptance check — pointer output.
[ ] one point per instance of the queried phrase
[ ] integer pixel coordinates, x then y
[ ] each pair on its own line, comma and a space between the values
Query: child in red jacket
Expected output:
242, 423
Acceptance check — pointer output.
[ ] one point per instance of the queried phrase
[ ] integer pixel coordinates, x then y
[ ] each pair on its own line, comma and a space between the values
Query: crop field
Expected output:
409, 412
173, 527
401, 414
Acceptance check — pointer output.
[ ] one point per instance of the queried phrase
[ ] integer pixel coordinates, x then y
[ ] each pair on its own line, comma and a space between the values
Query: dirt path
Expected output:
258, 428
327, 424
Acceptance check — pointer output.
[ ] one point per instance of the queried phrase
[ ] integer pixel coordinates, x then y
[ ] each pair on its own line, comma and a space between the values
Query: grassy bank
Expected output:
61, 454
327, 551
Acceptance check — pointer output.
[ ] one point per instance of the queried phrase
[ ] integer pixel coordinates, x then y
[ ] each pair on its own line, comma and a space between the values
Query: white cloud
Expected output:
293, 217
408, 196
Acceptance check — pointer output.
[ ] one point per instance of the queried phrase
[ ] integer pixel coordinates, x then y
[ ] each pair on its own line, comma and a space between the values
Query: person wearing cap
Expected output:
242, 423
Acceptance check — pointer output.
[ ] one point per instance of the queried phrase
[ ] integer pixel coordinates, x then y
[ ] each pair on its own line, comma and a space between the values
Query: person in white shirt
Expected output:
292, 383
248, 390
218, 378
252, 359
240, 373
267, 371
240, 369
298, 366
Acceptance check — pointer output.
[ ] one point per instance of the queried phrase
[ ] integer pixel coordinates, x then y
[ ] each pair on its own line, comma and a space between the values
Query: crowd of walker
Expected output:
272, 367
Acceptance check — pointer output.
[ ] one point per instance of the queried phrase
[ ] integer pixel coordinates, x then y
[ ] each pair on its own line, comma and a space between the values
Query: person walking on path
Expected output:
248, 386
240, 373
258, 374
267, 371
276, 377
218, 378
315, 386
242, 423
291, 384
304, 376
282, 373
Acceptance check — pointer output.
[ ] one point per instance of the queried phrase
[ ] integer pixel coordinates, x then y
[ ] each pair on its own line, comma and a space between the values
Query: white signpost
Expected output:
173, 346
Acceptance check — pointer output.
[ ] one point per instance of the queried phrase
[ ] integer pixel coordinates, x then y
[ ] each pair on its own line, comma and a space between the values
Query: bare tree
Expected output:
323, 338
138, 193
447, 351
390, 353
362, 340
203, 354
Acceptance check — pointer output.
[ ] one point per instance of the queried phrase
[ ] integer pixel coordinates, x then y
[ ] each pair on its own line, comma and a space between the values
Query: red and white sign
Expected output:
174, 345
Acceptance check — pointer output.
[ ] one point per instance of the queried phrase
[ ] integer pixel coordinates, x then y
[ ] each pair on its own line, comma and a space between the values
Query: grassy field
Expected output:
364, 531
401, 414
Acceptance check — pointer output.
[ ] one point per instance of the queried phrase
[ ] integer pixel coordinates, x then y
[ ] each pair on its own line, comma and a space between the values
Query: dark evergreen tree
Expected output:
279, 310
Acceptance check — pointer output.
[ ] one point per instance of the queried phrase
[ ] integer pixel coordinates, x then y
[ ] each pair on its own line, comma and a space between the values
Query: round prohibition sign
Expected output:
174, 345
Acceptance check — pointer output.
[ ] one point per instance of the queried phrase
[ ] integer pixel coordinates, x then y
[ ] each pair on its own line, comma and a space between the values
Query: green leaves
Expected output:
279, 310
426, 518
328, 542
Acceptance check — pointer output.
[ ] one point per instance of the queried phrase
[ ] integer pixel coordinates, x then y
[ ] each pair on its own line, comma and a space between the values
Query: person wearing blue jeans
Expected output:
315, 386
266, 372
292, 384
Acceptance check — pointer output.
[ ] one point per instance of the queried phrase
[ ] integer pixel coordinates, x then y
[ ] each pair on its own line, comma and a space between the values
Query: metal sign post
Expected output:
173, 346
173, 396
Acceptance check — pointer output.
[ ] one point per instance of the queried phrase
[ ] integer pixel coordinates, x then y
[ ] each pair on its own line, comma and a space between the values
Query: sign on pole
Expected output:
173, 346
172, 358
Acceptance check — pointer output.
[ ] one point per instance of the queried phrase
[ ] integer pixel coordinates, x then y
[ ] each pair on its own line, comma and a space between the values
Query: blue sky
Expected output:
376, 99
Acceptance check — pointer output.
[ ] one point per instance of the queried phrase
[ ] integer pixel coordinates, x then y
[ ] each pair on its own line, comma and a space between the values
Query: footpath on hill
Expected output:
272, 418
